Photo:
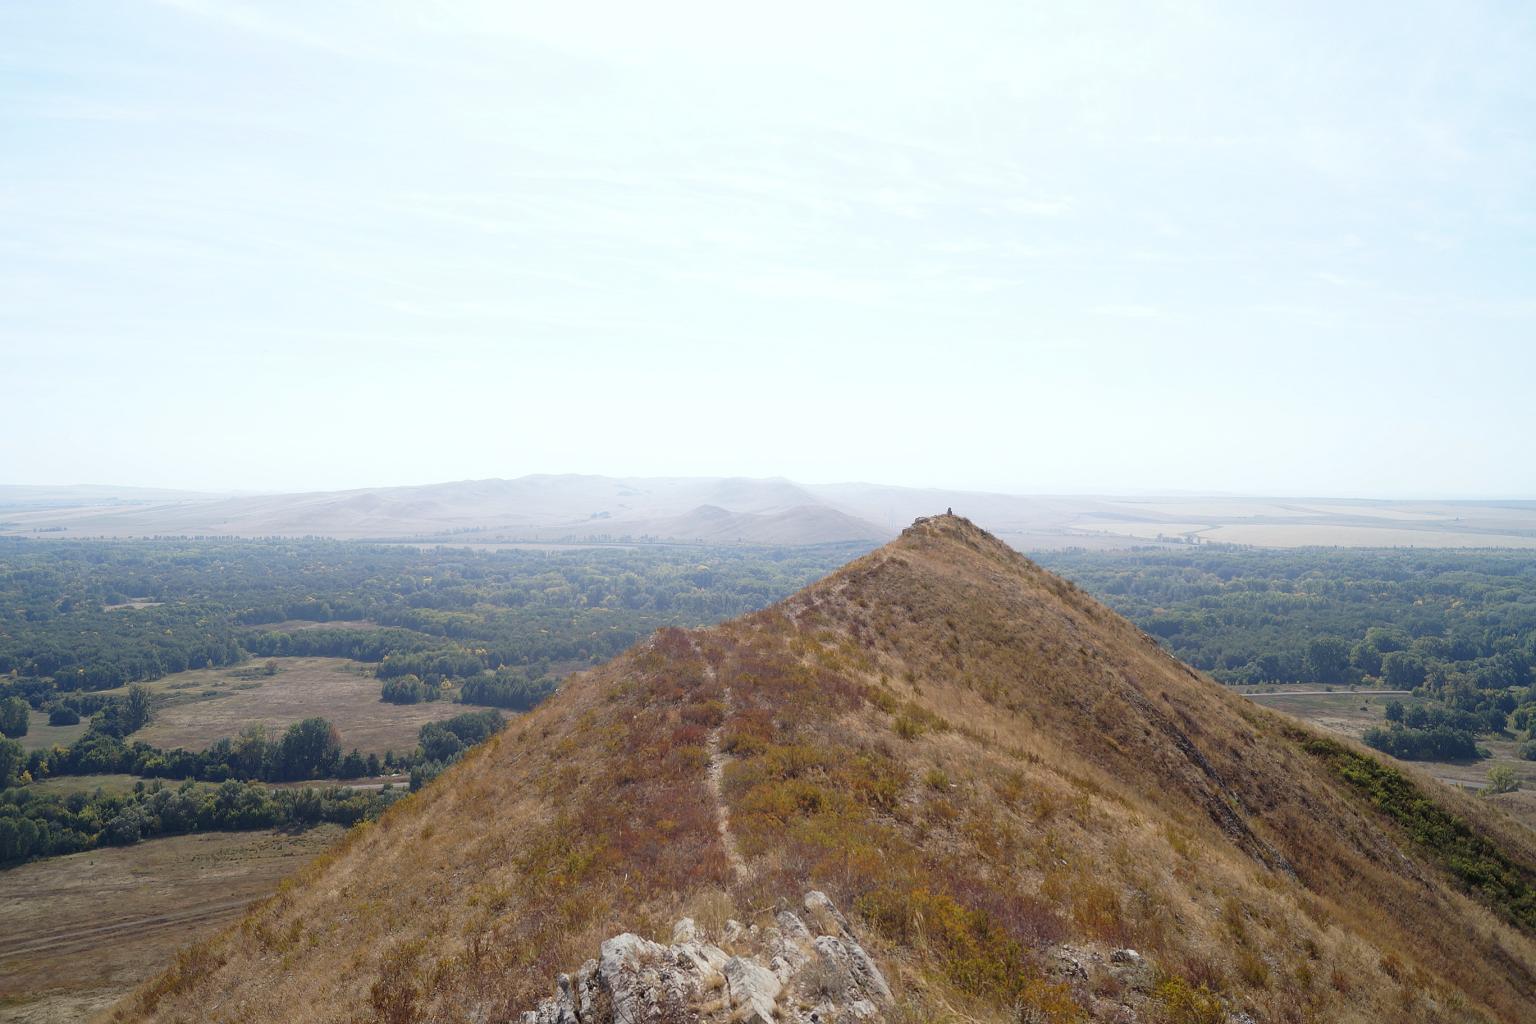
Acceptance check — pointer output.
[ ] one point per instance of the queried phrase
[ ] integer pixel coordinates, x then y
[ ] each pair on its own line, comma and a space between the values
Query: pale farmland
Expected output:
194, 709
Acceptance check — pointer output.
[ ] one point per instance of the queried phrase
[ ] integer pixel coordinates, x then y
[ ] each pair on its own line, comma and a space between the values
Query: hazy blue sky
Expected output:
1262, 247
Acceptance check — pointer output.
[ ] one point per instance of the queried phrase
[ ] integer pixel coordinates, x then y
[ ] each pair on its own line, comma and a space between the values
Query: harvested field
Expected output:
83, 929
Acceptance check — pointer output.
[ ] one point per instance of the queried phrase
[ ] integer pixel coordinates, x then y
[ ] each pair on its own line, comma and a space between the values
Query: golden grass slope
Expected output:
979, 761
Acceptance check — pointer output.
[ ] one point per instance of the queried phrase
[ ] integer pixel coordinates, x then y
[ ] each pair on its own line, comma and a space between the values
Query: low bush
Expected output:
1183, 1003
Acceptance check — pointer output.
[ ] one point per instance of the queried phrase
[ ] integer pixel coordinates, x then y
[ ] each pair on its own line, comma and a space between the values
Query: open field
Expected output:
40, 735
300, 625
63, 784
1286, 535
83, 929
1344, 711
193, 709
1285, 522
1351, 712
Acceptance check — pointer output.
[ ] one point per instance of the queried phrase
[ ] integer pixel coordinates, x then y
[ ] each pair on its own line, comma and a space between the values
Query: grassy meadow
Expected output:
193, 709
40, 735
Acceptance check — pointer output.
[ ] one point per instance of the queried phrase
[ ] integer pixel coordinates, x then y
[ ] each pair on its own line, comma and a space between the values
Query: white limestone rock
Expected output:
808, 970
753, 991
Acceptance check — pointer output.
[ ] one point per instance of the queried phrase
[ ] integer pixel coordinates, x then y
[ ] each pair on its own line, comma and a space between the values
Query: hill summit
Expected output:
1023, 808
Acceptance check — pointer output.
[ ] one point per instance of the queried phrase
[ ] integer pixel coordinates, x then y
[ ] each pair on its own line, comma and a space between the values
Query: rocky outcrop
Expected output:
802, 970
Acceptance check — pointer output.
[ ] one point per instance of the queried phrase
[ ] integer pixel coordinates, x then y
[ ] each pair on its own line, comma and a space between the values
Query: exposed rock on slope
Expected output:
1003, 785
785, 973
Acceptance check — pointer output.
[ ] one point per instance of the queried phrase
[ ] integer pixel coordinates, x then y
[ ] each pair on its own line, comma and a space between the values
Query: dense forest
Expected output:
36, 824
77, 617
82, 623
1457, 628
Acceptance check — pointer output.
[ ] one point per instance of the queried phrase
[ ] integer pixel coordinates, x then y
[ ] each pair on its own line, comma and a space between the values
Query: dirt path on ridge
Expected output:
716, 774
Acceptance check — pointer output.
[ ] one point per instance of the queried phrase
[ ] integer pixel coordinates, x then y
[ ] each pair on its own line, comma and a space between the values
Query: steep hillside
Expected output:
1027, 810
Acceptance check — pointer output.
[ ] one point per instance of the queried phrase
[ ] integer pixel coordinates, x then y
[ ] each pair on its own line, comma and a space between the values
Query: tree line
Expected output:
34, 824
82, 617
310, 749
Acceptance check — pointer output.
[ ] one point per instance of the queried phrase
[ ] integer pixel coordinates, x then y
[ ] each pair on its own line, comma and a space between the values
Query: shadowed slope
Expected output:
1001, 779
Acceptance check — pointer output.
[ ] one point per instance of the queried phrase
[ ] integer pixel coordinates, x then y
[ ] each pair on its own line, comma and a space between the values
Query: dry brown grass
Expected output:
83, 929
970, 754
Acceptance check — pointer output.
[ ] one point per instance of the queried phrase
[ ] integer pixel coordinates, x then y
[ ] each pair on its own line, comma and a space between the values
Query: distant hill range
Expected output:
576, 509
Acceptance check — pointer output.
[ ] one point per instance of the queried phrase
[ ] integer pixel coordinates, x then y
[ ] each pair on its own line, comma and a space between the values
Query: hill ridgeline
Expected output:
939, 785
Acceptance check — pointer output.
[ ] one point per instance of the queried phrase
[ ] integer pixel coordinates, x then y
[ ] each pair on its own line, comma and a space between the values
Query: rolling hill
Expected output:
577, 509
1021, 806
532, 509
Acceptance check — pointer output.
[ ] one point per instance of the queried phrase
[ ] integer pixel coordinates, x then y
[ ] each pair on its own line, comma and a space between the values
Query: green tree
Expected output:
15, 714
13, 760
18, 838
136, 710
1501, 779
353, 766
1328, 660
250, 752
309, 749
438, 742
1403, 670
1366, 659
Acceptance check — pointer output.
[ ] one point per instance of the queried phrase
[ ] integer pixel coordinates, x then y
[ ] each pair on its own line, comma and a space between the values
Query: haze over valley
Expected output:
575, 509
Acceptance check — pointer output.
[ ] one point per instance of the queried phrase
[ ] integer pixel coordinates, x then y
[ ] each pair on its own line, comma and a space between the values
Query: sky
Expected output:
1032, 247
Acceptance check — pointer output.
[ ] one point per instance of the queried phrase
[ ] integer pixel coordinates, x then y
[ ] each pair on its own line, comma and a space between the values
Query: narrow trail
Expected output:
716, 774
